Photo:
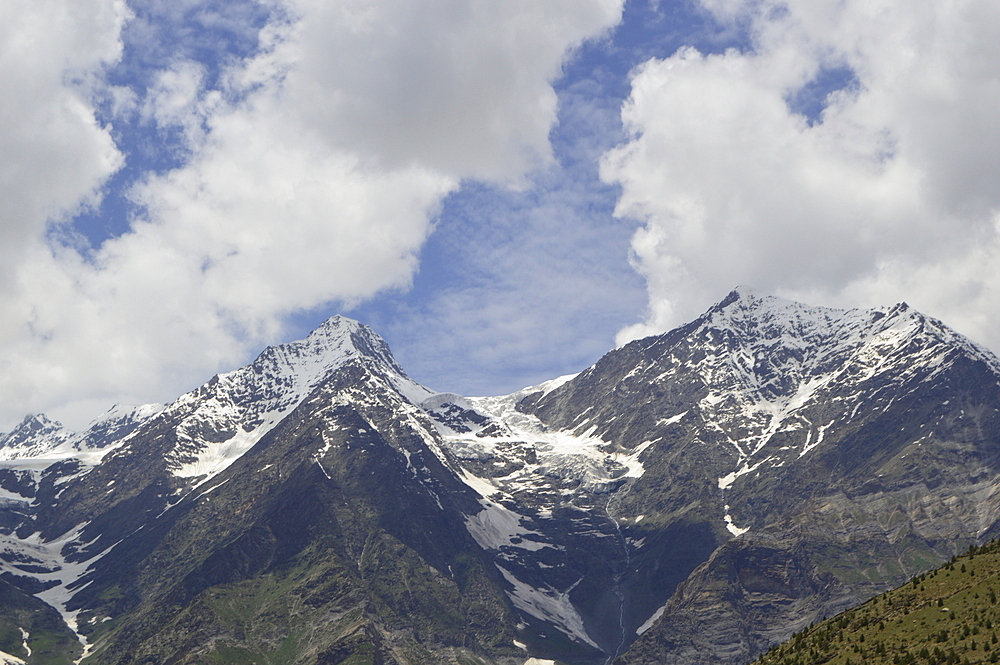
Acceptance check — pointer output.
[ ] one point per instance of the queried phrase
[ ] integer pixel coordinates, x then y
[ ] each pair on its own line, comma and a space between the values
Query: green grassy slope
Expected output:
26, 621
948, 616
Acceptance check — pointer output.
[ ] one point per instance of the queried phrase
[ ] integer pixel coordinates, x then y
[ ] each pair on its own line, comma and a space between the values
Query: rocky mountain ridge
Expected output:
692, 497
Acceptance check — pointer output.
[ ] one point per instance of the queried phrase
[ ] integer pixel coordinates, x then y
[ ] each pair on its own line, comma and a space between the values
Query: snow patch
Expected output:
733, 529
24, 640
8, 496
662, 422
47, 555
496, 526
7, 659
482, 487
548, 605
631, 461
216, 457
650, 621
550, 385
727, 480
809, 444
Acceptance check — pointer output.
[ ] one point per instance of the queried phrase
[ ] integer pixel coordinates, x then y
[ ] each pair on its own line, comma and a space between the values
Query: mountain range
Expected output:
693, 497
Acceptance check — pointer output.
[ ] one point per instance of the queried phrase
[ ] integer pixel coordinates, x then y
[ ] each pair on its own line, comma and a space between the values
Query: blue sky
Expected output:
517, 287
549, 254
503, 190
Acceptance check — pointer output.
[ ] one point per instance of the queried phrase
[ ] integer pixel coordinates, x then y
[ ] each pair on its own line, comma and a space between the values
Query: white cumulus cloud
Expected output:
890, 195
312, 175
53, 154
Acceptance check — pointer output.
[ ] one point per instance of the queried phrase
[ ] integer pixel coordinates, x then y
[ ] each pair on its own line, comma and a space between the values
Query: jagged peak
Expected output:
764, 320
332, 343
36, 434
745, 306
748, 298
37, 421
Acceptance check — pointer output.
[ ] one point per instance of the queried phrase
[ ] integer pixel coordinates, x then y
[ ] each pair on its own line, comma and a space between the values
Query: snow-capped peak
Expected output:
335, 341
767, 360
341, 334
38, 437
34, 436
770, 317
229, 414
769, 322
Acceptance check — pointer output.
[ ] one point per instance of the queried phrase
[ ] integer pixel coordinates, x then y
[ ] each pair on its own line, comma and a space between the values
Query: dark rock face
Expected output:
694, 497
856, 448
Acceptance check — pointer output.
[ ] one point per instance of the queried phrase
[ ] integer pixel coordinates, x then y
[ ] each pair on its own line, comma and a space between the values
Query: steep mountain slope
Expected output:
693, 497
844, 450
304, 485
948, 615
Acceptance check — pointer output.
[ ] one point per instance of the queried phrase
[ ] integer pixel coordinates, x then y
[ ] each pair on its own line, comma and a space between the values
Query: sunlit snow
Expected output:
650, 621
249, 402
7, 659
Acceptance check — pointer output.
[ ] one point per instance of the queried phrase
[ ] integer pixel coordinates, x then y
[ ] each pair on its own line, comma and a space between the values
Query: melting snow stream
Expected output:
619, 590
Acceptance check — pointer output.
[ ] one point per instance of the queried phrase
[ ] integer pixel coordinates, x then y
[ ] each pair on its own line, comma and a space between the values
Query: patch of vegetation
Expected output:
49, 639
948, 616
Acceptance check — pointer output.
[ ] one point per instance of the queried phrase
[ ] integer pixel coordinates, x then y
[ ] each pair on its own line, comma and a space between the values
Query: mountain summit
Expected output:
692, 497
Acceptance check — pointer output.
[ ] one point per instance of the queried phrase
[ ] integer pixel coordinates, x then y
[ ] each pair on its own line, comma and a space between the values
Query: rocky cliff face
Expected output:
692, 497
840, 451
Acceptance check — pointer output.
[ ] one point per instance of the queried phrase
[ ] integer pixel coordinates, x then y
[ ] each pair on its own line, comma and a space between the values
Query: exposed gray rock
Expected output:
693, 497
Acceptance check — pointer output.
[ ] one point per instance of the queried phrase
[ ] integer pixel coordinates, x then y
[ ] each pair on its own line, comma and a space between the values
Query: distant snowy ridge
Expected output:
218, 422
567, 474
39, 437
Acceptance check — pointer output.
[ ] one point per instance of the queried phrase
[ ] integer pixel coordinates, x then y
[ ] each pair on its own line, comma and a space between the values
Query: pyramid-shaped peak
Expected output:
335, 326
38, 421
35, 435
253, 399
336, 340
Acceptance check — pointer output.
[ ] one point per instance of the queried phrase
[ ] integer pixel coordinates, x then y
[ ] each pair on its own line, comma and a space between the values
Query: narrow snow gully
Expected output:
619, 583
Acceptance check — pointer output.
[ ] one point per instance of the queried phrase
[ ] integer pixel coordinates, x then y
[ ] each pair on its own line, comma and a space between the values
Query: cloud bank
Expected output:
890, 194
312, 172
